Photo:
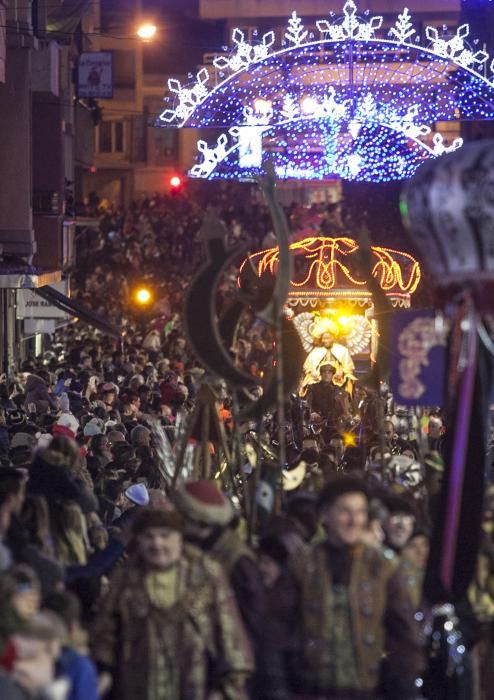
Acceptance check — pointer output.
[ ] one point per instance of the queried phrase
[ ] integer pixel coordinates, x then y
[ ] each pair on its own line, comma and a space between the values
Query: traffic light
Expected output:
176, 184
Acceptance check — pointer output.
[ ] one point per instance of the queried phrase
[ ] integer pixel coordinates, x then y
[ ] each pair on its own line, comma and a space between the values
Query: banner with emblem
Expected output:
418, 358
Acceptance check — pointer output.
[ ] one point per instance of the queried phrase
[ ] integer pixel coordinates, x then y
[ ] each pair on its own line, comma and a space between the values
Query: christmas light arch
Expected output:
350, 82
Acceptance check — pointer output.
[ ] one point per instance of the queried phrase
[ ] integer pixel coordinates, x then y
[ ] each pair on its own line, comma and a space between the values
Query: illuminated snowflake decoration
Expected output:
351, 26
187, 98
456, 49
259, 95
245, 53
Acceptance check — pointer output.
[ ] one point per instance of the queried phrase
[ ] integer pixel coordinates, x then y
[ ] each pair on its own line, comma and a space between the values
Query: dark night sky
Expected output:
184, 39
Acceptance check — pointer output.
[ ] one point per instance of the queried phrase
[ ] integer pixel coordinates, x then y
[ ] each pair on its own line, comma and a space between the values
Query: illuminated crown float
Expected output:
327, 268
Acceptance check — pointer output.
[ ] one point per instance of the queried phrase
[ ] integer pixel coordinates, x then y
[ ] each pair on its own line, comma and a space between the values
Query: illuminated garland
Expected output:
319, 150
262, 93
398, 273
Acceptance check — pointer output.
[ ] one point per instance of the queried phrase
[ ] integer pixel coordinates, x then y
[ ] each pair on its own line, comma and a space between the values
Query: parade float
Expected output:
328, 291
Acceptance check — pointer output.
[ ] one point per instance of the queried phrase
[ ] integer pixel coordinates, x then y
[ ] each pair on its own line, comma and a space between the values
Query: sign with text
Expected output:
95, 75
30, 305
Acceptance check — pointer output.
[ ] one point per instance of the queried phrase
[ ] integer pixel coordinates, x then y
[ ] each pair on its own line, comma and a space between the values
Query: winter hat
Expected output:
22, 440
67, 424
108, 387
338, 486
15, 418
138, 494
149, 517
94, 427
115, 436
64, 403
203, 502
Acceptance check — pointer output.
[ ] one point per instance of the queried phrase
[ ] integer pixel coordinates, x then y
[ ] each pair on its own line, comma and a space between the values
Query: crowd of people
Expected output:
124, 575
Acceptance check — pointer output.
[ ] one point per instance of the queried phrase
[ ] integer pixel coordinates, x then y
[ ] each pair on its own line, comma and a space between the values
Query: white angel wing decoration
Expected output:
358, 334
303, 323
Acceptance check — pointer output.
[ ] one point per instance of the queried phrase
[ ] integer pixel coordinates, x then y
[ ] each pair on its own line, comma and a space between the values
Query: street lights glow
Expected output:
143, 295
147, 31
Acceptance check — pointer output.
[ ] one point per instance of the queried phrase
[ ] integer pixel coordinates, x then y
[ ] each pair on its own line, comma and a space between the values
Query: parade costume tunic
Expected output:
172, 635
353, 609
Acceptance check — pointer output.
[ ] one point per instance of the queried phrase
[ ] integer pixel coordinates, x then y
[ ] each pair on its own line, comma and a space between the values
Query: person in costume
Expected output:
169, 626
209, 525
328, 351
356, 636
325, 399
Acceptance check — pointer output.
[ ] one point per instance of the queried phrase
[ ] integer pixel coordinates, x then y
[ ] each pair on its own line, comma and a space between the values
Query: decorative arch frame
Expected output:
251, 97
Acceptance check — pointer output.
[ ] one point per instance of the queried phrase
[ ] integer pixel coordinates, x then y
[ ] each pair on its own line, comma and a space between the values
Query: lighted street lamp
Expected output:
147, 31
143, 296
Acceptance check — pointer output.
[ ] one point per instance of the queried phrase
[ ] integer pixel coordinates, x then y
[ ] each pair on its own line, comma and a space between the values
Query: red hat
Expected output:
203, 502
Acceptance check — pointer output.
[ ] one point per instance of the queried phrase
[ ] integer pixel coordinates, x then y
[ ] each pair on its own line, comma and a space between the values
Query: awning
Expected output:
24, 276
72, 307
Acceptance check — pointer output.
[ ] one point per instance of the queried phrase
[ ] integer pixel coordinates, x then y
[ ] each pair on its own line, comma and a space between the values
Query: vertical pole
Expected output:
280, 401
5, 331
205, 440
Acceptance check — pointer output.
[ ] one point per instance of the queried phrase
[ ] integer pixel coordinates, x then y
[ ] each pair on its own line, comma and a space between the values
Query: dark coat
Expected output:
324, 399
57, 483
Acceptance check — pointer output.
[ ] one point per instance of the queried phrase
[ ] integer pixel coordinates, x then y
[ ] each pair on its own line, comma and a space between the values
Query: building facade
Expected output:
38, 43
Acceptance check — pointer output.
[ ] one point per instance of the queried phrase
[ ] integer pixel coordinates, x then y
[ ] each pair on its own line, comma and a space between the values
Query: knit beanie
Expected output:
138, 494
93, 427
67, 425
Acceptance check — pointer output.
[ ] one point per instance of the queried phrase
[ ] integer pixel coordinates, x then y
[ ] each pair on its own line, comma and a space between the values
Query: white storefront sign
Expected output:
31, 305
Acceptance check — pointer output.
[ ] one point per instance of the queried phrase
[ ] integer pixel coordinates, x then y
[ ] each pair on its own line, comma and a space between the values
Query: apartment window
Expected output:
124, 70
118, 129
111, 137
105, 137
118, 14
166, 144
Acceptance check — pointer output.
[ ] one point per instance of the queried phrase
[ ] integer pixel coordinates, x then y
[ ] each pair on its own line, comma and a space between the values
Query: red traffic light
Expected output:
175, 182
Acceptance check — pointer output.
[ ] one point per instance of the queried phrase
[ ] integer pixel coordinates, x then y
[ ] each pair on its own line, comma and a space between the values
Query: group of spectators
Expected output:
277, 582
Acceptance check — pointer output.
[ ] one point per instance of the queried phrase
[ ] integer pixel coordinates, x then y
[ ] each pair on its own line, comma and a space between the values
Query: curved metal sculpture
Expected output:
203, 326
200, 317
